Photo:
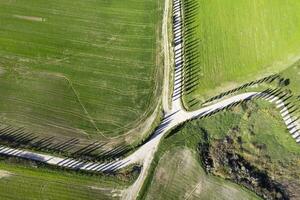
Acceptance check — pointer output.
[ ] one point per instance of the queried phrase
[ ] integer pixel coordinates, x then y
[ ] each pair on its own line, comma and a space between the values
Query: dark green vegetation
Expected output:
79, 68
254, 131
232, 42
256, 136
26, 180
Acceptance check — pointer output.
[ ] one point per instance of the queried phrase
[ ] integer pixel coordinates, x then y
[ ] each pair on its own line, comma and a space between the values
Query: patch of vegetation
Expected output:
222, 160
255, 133
261, 138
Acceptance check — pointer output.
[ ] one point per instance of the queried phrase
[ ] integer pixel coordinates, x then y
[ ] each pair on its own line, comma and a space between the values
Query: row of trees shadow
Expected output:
97, 151
289, 102
108, 167
161, 128
191, 49
291, 107
286, 98
177, 29
268, 79
69, 164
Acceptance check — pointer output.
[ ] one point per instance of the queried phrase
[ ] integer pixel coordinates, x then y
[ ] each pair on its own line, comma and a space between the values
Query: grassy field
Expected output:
79, 68
259, 136
232, 42
293, 74
24, 181
179, 176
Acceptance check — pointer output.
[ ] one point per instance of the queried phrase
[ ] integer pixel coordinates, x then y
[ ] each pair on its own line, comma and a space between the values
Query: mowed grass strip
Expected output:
79, 67
239, 41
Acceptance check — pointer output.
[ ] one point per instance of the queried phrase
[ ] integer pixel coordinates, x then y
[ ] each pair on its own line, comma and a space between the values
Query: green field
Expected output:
79, 68
179, 176
21, 181
239, 41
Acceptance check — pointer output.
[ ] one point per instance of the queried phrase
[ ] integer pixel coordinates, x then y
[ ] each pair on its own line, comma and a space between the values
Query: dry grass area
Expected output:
179, 175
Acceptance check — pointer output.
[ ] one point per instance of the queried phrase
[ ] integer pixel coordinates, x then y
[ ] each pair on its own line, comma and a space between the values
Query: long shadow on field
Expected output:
165, 122
188, 82
288, 107
19, 138
15, 137
191, 69
268, 79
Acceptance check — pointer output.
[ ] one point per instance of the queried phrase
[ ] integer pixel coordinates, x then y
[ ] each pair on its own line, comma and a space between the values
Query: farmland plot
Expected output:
79, 68
232, 42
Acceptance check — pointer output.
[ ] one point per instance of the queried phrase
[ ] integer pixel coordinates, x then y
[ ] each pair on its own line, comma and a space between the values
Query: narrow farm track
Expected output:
173, 117
166, 52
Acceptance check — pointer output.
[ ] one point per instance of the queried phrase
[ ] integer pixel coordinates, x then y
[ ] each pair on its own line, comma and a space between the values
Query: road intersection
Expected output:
173, 117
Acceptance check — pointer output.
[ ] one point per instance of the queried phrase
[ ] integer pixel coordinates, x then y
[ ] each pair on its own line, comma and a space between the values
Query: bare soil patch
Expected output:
30, 18
4, 174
